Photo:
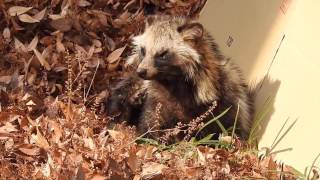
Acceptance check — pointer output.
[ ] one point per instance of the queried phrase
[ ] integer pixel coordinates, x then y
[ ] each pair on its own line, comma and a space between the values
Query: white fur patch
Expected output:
190, 57
133, 59
206, 92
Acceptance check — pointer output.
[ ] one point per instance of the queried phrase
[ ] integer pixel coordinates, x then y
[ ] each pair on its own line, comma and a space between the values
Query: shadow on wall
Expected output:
241, 28
249, 33
266, 89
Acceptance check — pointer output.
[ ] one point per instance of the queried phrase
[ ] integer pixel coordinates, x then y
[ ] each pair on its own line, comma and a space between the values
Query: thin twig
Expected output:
94, 75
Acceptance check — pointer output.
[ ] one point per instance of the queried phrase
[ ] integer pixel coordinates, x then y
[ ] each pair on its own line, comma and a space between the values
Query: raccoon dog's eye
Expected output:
163, 55
143, 51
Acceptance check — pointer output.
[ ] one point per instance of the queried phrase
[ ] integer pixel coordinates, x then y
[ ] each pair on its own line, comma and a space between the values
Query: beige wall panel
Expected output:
257, 27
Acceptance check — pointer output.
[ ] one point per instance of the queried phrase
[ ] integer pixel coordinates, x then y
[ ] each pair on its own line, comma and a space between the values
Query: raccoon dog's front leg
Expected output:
160, 113
126, 99
150, 119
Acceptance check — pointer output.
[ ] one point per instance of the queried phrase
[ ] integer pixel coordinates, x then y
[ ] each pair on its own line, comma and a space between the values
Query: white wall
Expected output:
257, 27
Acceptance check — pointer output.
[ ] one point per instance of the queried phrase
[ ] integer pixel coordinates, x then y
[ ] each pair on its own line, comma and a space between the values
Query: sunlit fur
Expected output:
195, 74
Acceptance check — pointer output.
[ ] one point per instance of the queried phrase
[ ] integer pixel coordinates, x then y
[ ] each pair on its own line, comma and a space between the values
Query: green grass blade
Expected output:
279, 132
213, 120
265, 104
195, 141
282, 136
235, 122
223, 129
147, 141
208, 142
259, 117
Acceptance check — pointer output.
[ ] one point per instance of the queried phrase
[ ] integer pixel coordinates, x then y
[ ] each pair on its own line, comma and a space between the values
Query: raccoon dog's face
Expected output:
167, 48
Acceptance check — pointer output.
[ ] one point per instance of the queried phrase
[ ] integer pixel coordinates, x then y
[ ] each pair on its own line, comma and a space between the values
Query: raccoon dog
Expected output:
180, 67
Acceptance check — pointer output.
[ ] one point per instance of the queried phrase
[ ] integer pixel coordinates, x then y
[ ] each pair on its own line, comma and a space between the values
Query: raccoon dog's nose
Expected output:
142, 73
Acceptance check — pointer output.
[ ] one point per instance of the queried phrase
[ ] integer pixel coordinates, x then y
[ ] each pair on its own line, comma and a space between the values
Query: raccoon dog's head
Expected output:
167, 48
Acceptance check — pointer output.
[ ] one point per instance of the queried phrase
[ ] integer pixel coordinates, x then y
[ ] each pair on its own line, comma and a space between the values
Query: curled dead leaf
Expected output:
152, 169
89, 143
40, 15
33, 44
132, 161
116, 135
8, 128
83, 3
17, 10
115, 55
201, 158
57, 131
5, 79
40, 140
29, 150
42, 60
9, 143
64, 11
30, 103
27, 18
19, 45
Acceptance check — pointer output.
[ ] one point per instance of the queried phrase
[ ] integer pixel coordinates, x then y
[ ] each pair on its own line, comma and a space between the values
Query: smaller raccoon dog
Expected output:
129, 97
181, 68
126, 100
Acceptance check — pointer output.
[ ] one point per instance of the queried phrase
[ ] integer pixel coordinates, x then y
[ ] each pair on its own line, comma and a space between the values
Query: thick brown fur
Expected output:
182, 68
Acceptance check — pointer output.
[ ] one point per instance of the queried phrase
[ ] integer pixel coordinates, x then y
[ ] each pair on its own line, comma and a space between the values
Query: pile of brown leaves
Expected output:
58, 58
71, 142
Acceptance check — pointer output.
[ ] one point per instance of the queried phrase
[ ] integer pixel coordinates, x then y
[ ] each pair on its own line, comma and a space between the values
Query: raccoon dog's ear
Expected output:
191, 31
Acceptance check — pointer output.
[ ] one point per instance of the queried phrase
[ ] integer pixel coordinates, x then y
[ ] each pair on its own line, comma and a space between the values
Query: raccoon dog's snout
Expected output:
142, 73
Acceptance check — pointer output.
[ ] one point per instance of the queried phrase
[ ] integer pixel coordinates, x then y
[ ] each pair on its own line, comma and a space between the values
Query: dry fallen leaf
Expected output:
40, 15
57, 131
272, 169
83, 3
19, 45
201, 158
17, 10
62, 14
33, 44
41, 59
30, 103
152, 169
116, 135
40, 140
5, 79
8, 128
62, 24
29, 150
115, 55
28, 19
